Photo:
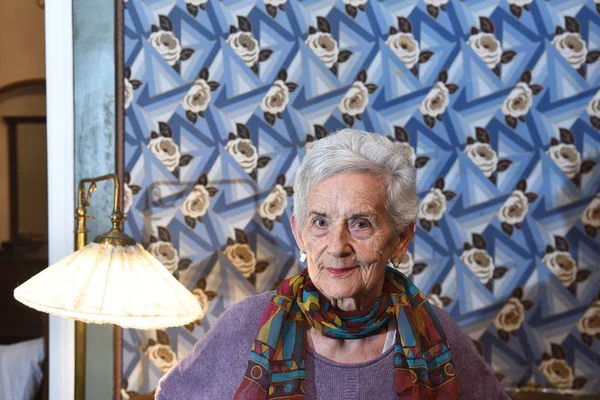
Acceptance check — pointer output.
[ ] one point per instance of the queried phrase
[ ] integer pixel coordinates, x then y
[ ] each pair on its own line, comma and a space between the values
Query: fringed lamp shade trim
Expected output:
108, 284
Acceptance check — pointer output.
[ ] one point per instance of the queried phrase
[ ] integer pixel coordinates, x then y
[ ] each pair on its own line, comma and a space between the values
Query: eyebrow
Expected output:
357, 215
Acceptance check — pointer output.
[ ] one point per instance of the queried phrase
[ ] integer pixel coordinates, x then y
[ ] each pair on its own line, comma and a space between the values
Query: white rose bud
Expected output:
405, 47
591, 215
514, 209
511, 316
127, 198
197, 202
407, 264
436, 101
275, 204
480, 263
589, 324
558, 373
562, 264
435, 300
324, 46
245, 45
242, 257
593, 107
166, 254
520, 3
244, 152
483, 156
433, 206
519, 101
572, 47
487, 47
355, 100
166, 150
276, 98
198, 97
275, 3
202, 300
128, 95
167, 45
162, 356
436, 3
566, 157
195, 2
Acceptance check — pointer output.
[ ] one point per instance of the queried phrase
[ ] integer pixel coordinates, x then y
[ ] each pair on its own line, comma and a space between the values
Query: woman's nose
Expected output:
339, 242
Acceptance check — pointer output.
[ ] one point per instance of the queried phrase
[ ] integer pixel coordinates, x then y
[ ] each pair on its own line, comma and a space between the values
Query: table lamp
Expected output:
112, 280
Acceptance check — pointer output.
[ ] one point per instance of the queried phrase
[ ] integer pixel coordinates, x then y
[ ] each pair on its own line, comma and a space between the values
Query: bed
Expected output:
23, 331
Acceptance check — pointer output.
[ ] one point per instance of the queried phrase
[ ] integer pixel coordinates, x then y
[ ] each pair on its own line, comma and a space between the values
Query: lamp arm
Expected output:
83, 202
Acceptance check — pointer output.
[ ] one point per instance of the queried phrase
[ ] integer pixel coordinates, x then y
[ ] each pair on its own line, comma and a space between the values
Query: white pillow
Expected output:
21, 369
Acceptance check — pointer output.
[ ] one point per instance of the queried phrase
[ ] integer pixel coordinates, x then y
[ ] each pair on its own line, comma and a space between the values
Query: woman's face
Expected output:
348, 239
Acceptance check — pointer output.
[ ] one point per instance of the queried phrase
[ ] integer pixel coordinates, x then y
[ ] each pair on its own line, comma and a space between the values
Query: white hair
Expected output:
351, 150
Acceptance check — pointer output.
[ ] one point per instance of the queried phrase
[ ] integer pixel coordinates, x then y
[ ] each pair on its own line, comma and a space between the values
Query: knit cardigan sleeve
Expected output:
476, 379
216, 365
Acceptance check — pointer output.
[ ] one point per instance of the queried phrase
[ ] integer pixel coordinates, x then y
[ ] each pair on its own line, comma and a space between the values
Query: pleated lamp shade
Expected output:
111, 284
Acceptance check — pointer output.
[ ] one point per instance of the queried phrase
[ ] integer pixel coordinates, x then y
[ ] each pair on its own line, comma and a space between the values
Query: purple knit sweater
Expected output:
215, 367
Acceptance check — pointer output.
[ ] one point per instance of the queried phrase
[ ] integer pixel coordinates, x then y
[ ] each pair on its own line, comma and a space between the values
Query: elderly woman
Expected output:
349, 326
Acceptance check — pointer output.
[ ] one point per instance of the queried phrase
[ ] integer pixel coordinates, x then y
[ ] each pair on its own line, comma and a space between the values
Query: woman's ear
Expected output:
296, 232
404, 240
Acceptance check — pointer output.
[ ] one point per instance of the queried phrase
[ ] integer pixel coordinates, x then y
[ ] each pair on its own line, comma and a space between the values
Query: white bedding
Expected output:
21, 369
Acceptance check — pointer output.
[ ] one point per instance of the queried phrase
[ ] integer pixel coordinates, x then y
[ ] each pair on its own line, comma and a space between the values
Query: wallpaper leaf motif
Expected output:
498, 109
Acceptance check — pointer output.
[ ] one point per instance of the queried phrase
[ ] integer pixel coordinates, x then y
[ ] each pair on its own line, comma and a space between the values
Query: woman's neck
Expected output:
360, 301
346, 351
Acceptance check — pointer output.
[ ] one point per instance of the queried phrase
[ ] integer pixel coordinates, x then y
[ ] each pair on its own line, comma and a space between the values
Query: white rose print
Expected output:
437, 100
167, 44
245, 45
562, 264
198, 97
166, 150
567, 157
321, 41
356, 99
476, 257
512, 315
516, 106
242, 257
433, 206
276, 202
243, 151
403, 43
572, 47
277, 98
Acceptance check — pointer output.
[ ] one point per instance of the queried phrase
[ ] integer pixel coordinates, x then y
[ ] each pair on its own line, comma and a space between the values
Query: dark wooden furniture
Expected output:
19, 262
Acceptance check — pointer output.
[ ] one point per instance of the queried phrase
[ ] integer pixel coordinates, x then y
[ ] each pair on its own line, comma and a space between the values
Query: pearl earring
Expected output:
303, 257
395, 262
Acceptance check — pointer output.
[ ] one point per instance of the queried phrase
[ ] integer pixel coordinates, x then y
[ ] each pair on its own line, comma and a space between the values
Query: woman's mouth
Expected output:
339, 272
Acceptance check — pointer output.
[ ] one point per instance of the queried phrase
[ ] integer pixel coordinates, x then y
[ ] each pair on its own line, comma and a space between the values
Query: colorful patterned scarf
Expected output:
423, 366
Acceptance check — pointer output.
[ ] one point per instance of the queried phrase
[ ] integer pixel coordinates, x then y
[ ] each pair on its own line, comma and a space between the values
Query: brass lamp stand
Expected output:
114, 236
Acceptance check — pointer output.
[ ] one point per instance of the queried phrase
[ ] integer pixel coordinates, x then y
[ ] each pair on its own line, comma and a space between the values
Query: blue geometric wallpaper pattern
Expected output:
498, 99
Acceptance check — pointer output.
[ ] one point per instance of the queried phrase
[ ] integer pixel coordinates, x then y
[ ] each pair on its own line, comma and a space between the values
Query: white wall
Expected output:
61, 185
22, 44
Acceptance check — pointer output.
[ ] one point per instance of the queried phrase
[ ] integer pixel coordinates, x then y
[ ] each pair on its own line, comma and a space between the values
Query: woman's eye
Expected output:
320, 223
362, 224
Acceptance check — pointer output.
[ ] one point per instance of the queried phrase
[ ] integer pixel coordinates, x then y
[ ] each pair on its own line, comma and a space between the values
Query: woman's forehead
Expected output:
348, 193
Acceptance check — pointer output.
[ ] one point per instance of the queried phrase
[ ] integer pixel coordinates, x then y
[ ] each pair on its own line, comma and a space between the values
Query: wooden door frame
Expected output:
12, 122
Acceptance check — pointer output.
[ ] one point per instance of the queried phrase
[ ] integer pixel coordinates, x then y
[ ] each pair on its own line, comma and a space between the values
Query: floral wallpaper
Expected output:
499, 101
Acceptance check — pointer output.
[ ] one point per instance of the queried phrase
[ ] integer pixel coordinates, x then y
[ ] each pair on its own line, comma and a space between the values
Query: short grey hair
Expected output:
351, 150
